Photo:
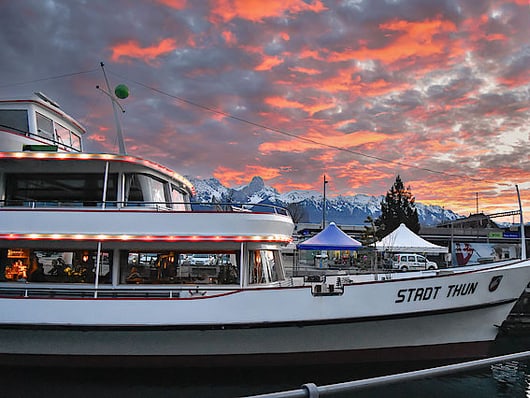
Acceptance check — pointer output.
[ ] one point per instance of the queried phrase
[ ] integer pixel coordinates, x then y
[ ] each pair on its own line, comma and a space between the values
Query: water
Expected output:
513, 382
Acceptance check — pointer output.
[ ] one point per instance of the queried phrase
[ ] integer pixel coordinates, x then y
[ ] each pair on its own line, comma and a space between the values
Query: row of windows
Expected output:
162, 267
17, 119
86, 189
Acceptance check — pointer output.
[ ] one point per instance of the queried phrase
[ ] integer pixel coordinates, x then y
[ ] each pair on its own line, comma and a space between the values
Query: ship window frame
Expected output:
265, 266
179, 198
63, 135
174, 266
15, 119
55, 265
75, 141
36, 189
143, 184
45, 131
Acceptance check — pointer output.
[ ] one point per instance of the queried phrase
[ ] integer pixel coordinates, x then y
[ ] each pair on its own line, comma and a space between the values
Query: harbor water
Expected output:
507, 380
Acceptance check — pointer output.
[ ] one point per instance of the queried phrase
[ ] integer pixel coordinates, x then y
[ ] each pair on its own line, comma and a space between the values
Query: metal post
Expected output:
105, 184
96, 280
324, 204
523, 239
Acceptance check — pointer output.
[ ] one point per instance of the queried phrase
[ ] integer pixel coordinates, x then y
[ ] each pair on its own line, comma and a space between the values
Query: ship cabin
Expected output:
38, 121
116, 222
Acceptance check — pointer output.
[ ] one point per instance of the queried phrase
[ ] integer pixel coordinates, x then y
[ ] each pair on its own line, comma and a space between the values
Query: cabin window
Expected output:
265, 266
178, 199
58, 189
14, 119
63, 135
44, 126
174, 267
54, 266
76, 141
145, 188
67, 138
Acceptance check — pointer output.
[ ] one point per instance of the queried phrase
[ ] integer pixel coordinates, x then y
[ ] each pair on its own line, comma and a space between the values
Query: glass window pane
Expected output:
172, 267
178, 199
63, 135
75, 141
59, 189
44, 126
54, 266
14, 119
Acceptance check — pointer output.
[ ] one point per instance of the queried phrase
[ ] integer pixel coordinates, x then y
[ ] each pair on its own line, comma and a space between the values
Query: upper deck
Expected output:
38, 121
52, 179
105, 197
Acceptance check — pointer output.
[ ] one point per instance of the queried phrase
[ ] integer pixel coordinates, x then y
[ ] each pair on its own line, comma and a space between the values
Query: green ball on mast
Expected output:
121, 91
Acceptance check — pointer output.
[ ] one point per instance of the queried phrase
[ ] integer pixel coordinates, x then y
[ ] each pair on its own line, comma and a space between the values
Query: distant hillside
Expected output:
351, 210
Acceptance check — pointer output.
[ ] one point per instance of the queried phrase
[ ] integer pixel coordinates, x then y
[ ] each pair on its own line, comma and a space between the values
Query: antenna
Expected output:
121, 142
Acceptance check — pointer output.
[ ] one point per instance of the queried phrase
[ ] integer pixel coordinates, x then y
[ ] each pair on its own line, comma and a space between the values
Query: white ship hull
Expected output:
436, 317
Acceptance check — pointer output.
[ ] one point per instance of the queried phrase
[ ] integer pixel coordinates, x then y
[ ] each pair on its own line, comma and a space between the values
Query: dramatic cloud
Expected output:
436, 91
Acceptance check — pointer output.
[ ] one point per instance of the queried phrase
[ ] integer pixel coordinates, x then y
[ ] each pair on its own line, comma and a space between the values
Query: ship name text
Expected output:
434, 292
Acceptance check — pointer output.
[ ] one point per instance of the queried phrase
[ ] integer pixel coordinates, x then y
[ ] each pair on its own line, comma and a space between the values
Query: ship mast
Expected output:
121, 142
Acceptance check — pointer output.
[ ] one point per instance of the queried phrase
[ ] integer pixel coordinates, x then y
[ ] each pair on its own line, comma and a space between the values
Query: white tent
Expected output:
403, 239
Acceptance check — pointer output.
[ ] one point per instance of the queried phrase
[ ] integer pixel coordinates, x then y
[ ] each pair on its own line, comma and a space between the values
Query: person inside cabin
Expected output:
36, 271
87, 268
134, 276
257, 270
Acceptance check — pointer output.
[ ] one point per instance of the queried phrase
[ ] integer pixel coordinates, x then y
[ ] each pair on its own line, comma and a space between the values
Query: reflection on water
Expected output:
507, 380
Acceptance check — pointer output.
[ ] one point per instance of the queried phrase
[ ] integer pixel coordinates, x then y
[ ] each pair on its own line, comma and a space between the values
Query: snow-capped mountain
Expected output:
351, 210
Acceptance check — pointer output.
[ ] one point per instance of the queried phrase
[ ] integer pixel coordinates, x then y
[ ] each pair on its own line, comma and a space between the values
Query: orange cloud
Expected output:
307, 71
176, 4
330, 139
229, 37
258, 10
290, 185
268, 63
280, 102
305, 53
409, 40
132, 49
239, 176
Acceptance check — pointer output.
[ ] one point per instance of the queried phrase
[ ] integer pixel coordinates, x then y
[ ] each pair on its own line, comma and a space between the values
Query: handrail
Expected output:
214, 207
122, 291
312, 391
41, 138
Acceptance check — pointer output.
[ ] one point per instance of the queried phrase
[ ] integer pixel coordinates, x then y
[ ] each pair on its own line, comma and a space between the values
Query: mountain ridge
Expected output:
352, 210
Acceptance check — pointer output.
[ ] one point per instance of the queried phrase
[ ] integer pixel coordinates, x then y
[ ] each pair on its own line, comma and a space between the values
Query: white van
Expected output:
405, 262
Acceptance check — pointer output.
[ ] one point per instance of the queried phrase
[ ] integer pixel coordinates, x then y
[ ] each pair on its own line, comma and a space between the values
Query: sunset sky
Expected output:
359, 90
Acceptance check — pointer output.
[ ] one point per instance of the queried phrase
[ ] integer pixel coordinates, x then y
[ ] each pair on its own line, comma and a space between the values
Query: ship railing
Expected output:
215, 207
158, 292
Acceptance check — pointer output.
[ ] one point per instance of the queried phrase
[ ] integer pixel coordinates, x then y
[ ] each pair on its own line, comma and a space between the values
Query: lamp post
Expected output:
324, 204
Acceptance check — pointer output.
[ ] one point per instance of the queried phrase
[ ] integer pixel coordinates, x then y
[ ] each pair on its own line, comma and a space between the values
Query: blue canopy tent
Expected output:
331, 238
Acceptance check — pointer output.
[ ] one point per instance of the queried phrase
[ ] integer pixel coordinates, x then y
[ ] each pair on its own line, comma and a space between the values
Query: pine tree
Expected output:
397, 207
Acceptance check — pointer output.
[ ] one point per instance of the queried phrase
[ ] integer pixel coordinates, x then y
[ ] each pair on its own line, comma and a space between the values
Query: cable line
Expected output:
48, 78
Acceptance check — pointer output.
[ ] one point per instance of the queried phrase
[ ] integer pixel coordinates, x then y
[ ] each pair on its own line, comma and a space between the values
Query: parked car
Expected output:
413, 262
201, 259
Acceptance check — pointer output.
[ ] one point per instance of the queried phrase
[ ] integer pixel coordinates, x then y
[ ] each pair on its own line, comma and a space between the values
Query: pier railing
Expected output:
313, 391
